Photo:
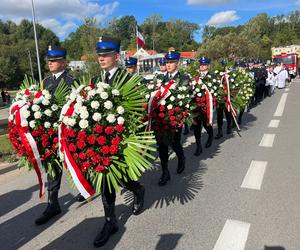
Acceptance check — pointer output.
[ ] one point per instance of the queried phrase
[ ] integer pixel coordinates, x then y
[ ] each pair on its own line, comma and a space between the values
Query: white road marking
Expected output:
233, 236
274, 124
267, 140
287, 89
255, 175
281, 104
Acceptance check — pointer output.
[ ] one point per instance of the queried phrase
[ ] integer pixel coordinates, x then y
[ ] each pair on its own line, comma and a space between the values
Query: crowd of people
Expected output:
265, 79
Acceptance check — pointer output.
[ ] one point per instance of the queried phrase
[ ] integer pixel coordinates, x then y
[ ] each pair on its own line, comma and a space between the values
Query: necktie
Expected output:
54, 77
107, 74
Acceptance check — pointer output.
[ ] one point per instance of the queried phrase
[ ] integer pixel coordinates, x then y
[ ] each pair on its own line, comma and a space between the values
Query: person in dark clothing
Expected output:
3, 95
172, 62
108, 50
131, 65
56, 57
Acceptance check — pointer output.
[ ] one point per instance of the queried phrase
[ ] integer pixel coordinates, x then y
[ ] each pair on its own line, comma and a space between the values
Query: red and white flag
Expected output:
140, 39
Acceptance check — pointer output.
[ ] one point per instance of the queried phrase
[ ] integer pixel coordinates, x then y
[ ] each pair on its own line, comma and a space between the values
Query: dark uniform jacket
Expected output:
180, 78
117, 75
50, 84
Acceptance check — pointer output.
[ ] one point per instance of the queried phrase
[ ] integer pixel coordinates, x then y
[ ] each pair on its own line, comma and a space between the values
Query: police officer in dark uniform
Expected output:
131, 65
56, 57
108, 50
202, 119
163, 69
172, 62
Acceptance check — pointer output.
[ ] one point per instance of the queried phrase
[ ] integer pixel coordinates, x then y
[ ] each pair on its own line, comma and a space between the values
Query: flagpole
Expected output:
137, 48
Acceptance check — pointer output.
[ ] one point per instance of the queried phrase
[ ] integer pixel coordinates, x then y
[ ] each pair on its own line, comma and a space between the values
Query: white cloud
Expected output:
208, 2
223, 17
62, 16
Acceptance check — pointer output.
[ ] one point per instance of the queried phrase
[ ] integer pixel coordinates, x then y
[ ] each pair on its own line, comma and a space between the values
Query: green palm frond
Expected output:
61, 93
27, 82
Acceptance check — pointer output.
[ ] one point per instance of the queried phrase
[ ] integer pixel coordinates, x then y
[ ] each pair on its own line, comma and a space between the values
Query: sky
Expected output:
64, 16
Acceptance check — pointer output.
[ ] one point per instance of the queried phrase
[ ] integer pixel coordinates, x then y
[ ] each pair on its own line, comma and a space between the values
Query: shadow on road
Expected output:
16, 198
273, 248
21, 229
168, 241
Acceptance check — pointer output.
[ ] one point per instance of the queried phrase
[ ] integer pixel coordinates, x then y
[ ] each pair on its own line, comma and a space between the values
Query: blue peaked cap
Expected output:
172, 56
162, 61
204, 60
107, 45
131, 61
55, 52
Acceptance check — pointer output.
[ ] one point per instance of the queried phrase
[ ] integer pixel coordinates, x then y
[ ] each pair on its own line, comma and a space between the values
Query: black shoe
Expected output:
138, 203
219, 136
229, 131
109, 228
209, 142
181, 166
164, 178
80, 198
51, 211
198, 150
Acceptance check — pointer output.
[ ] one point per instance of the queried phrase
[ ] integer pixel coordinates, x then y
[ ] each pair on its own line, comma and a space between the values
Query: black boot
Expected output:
219, 134
52, 209
138, 203
80, 198
181, 165
165, 175
186, 129
198, 149
229, 129
209, 141
110, 227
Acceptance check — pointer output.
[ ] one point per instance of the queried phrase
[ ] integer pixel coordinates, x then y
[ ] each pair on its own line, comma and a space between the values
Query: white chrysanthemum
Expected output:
162, 102
215, 87
170, 106
77, 108
180, 88
48, 112
115, 92
73, 96
209, 84
214, 80
84, 115
221, 85
48, 96
37, 100
150, 86
71, 122
120, 110
105, 85
203, 86
187, 106
199, 94
158, 85
221, 73
111, 118
147, 96
173, 86
45, 92
159, 81
216, 71
45, 102
104, 95
108, 105
54, 107
83, 109
97, 117
232, 80
55, 125
99, 90
26, 113
32, 124
212, 91
209, 76
47, 124
234, 75
179, 96
35, 107
180, 103
65, 120
37, 115
120, 120
83, 124
91, 93
215, 94
24, 123
197, 90
95, 104
172, 98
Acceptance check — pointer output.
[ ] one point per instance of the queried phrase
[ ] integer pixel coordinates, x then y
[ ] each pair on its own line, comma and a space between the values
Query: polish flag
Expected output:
140, 39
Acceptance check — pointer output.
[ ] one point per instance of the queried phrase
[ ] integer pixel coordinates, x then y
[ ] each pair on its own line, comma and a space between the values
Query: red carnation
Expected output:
54, 146
71, 133
81, 144
82, 156
98, 129
50, 131
81, 135
90, 153
35, 133
162, 108
177, 109
172, 117
105, 149
91, 139
86, 164
101, 140
106, 161
109, 130
38, 94
161, 115
72, 147
171, 112
115, 141
45, 137
120, 128
113, 149
45, 144
48, 153
27, 92
198, 99
55, 140
174, 123
75, 156
83, 169
97, 158
100, 168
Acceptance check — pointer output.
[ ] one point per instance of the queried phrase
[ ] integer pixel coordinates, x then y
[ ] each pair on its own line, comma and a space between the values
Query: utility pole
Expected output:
36, 42
30, 63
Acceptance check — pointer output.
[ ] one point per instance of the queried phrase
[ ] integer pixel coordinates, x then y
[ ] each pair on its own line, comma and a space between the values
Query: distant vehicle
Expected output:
291, 62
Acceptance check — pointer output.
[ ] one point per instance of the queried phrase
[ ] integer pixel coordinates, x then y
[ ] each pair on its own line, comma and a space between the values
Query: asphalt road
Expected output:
242, 193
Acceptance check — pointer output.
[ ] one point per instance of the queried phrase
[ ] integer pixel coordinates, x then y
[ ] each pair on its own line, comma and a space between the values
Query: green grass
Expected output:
6, 151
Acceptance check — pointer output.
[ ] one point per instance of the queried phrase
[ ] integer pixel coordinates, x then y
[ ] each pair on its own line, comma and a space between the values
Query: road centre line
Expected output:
233, 236
274, 124
255, 175
281, 105
267, 140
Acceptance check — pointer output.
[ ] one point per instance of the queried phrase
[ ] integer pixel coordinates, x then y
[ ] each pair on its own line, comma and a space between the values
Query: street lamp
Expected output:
36, 43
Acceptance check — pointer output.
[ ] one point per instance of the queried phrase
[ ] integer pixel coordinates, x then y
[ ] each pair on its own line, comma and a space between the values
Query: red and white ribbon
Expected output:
18, 109
83, 186
209, 106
